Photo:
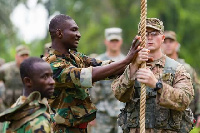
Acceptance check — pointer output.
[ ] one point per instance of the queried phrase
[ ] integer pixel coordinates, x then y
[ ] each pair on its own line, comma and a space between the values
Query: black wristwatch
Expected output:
159, 85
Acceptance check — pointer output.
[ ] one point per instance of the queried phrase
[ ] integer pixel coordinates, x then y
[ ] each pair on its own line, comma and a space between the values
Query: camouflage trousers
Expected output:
63, 129
105, 124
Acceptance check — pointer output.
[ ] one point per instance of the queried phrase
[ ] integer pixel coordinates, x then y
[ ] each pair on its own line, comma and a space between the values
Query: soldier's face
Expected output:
154, 40
20, 58
70, 35
42, 79
169, 46
113, 45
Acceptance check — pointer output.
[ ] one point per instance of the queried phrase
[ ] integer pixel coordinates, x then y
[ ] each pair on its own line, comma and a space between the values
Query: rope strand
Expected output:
143, 65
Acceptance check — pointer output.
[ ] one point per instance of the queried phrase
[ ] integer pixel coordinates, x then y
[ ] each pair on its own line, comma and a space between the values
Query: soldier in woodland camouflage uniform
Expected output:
30, 113
169, 89
9, 74
101, 94
74, 73
171, 48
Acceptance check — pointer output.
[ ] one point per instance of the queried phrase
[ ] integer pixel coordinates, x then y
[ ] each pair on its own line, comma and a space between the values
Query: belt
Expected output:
82, 125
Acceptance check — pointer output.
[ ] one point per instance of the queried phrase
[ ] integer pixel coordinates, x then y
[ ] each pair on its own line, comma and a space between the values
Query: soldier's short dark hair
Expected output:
26, 67
57, 23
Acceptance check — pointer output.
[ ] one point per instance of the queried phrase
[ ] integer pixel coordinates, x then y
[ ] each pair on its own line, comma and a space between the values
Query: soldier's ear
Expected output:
59, 33
27, 81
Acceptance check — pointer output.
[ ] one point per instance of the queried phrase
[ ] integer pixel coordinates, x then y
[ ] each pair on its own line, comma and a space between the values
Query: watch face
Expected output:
159, 85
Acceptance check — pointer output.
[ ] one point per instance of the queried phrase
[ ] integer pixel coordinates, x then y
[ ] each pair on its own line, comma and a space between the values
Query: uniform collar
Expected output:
57, 53
160, 61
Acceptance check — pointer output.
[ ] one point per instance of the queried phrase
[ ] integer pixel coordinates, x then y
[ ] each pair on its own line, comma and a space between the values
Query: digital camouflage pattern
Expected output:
2, 106
166, 110
10, 75
73, 76
108, 106
27, 115
195, 104
2, 91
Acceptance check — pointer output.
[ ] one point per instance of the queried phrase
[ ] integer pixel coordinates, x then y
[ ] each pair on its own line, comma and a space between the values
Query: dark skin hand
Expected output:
115, 68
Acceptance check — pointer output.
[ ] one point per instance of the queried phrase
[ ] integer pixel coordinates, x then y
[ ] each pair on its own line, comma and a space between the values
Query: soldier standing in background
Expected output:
171, 48
108, 106
2, 91
9, 74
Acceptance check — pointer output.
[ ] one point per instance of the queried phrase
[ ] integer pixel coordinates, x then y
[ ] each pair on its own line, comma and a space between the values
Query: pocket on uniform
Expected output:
133, 119
78, 111
162, 116
175, 119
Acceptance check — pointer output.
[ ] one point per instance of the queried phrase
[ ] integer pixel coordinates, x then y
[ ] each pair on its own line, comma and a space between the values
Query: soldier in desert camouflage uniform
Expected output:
101, 94
2, 91
171, 48
30, 113
169, 89
74, 73
9, 74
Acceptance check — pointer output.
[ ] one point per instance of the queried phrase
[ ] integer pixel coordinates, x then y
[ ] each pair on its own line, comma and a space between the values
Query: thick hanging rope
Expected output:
143, 65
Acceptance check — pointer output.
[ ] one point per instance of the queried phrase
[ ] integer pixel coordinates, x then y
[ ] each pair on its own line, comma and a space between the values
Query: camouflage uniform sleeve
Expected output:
180, 95
71, 76
197, 92
40, 124
123, 86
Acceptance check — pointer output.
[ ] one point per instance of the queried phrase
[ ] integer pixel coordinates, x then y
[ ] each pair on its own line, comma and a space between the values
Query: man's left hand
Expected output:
146, 76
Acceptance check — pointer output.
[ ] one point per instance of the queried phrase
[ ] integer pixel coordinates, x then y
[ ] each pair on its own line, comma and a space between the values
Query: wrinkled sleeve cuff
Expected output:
86, 77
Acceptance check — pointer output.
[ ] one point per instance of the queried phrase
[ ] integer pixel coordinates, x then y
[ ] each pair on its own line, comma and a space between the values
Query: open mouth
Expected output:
77, 41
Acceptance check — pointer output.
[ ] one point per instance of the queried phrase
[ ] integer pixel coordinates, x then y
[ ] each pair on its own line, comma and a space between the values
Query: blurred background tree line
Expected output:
93, 16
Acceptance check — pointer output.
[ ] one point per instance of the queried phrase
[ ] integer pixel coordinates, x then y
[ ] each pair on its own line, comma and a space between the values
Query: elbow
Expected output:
122, 98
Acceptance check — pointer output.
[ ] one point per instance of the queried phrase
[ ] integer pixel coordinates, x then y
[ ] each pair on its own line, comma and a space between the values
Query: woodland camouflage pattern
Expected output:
27, 115
73, 75
165, 110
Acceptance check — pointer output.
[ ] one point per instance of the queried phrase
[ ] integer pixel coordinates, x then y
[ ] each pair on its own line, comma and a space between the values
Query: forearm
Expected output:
102, 72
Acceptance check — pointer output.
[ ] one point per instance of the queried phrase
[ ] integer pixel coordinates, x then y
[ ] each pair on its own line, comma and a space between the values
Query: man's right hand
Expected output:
135, 48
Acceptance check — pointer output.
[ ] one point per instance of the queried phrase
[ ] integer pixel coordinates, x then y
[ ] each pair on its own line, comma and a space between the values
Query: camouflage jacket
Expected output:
27, 115
10, 75
195, 104
168, 104
102, 95
73, 76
